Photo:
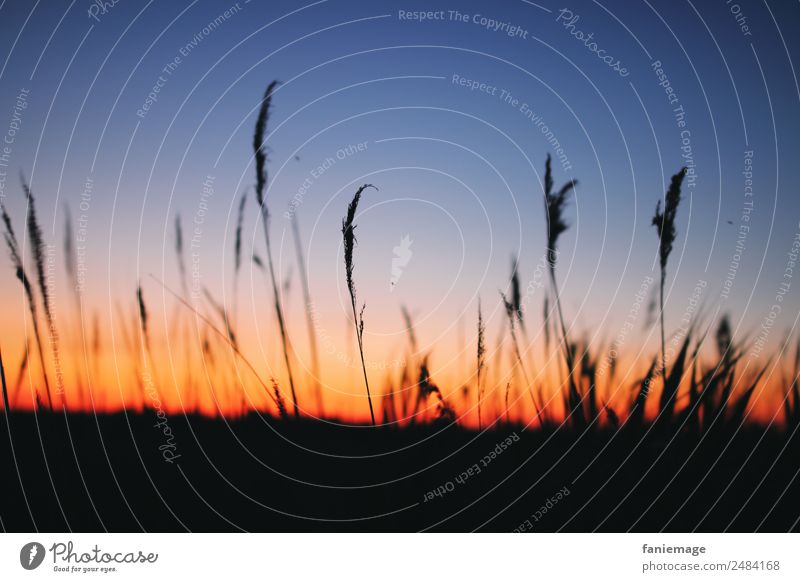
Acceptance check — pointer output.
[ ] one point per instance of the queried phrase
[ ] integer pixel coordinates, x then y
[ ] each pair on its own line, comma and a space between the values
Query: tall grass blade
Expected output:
665, 225
349, 239
23, 365
312, 336
222, 335
6, 405
673, 381
260, 154
481, 353
237, 255
19, 269
555, 204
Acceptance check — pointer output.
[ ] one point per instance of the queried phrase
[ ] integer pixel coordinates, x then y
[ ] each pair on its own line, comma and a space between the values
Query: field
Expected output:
597, 446
84, 473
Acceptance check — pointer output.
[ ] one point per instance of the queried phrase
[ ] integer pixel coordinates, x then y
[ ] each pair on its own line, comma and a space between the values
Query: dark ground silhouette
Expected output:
86, 473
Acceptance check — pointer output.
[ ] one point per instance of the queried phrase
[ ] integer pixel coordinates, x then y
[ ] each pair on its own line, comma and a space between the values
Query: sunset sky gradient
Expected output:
370, 95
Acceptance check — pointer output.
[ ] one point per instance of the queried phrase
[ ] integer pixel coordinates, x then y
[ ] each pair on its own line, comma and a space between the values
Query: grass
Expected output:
481, 364
687, 420
513, 313
260, 154
312, 336
349, 240
696, 393
665, 225
555, 204
22, 276
237, 254
210, 325
144, 343
6, 402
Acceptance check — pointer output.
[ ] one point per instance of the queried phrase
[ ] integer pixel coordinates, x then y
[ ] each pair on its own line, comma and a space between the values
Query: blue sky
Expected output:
458, 170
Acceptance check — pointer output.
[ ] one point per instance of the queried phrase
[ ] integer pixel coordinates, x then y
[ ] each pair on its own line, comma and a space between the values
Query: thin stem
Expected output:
521, 364
220, 333
279, 312
567, 352
361, 352
663, 336
5, 388
41, 360
312, 338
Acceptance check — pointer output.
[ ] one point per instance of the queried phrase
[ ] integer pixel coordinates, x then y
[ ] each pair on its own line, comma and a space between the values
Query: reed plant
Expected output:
513, 313
665, 226
555, 203
349, 240
481, 364
260, 153
237, 255
6, 402
224, 336
308, 304
36, 239
71, 269
23, 365
19, 268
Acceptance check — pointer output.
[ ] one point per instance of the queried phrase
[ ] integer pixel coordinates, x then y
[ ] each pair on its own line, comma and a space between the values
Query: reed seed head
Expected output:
665, 221
37, 242
237, 245
555, 204
349, 237
259, 148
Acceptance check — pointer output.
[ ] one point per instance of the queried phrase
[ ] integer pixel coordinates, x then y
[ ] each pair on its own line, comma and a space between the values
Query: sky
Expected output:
129, 115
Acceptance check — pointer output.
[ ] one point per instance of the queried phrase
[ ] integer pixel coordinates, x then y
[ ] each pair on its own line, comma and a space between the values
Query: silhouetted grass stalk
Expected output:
37, 243
481, 353
19, 268
312, 336
23, 365
222, 335
349, 239
554, 210
665, 225
6, 406
71, 267
237, 256
512, 313
147, 355
279, 400
261, 183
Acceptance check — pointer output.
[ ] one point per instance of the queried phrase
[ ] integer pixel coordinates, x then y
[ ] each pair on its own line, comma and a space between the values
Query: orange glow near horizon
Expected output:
190, 368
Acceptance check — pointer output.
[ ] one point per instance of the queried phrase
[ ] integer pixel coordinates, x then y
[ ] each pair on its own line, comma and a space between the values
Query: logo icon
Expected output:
402, 255
31, 555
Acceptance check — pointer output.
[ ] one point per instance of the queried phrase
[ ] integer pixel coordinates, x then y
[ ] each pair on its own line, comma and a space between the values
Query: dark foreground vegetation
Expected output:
87, 473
